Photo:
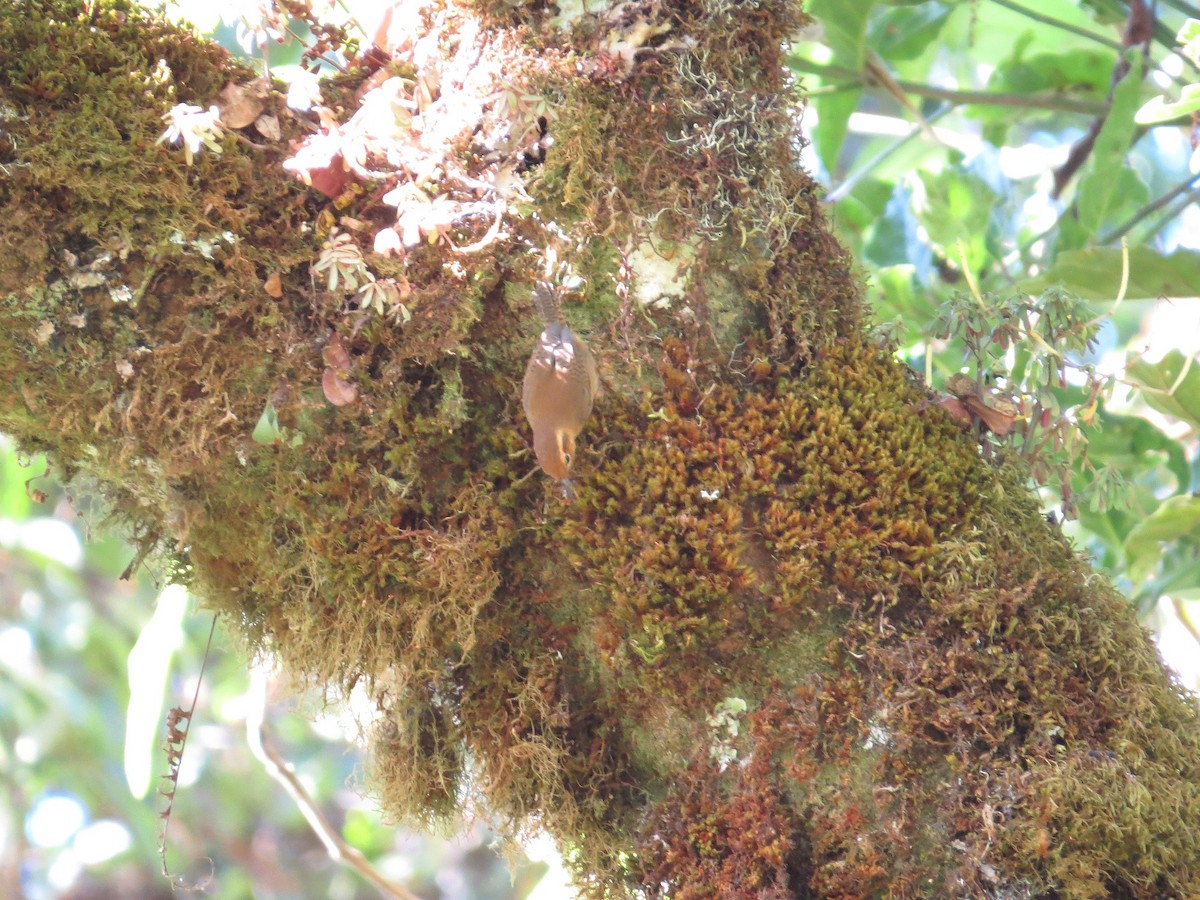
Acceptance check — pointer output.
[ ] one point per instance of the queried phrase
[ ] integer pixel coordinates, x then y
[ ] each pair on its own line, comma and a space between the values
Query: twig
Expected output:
1150, 208
321, 56
1052, 102
352, 19
1058, 23
175, 744
870, 167
1171, 214
1186, 8
1159, 31
877, 70
281, 770
1021, 101
1136, 32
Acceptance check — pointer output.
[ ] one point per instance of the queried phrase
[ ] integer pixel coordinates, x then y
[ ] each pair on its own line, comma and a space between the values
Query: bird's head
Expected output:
555, 448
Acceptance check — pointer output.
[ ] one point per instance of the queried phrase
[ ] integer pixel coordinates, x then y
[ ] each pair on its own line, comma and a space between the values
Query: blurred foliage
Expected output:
90, 663
70, 824
1020, 223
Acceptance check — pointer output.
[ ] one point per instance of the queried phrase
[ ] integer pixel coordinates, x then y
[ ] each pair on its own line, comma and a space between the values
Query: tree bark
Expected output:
793, 636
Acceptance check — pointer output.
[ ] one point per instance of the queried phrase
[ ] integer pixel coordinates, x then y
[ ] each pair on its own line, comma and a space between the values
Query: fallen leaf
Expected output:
239, 105
338, 391
268, 127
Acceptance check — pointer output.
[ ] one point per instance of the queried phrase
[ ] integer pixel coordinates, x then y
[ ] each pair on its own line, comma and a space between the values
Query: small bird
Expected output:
560, 383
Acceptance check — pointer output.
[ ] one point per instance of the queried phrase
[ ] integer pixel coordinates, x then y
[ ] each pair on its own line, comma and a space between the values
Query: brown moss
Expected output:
830, 476
711, 839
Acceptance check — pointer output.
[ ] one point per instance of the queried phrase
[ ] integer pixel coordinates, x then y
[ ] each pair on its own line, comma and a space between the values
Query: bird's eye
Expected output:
567, 458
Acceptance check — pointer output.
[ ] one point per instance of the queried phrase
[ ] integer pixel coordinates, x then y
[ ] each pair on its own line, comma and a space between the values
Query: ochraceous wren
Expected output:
560, 384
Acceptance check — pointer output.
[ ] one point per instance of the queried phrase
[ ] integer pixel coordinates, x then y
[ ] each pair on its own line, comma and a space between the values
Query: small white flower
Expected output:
194, 127
304, 90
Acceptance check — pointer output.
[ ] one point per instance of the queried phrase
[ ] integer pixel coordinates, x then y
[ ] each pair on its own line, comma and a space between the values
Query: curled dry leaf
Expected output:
999, 422
239, 104
338, 390
335, 354
268, 126
320, 164
999, 416
957, 411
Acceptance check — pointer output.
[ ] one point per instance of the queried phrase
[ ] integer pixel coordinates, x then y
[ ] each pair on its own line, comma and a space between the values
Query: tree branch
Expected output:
1123, 229
777, 553
1174, 212
1052, 102
281, 770
839, 191
1059, 23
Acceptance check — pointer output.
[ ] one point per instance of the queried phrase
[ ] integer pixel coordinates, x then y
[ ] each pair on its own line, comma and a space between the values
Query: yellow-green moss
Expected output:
727, 513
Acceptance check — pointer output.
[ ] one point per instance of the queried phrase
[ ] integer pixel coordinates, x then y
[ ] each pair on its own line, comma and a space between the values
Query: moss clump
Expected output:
84, 92
726, 514
732, 838
767, 517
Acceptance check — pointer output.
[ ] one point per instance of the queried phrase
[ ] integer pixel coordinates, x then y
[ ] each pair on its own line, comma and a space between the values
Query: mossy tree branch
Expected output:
794, 636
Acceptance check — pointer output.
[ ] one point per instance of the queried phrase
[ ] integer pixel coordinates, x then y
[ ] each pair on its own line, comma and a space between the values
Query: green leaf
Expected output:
1165, 390
1069, 71
1181, 582
15, 471
897, 238
833, 119
1177, 517
994, 29
905, 32
958, 208
1106, 12
1097, 195
1158, 109
1108, 530
845, 23
1095, 274
1189, 36
267, 431
1136, 448
859, 210
894, 295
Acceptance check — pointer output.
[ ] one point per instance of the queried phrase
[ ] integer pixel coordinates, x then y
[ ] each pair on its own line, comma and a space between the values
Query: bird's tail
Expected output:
546, 298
